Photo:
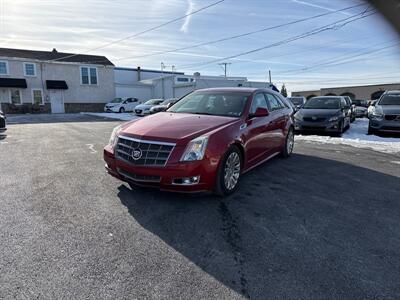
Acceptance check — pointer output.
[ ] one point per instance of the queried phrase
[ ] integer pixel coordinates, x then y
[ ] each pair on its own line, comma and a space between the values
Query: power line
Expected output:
240, 35
332, 26
143, 32
339, 60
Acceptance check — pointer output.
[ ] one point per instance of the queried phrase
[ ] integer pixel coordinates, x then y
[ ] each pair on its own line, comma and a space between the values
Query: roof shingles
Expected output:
57, 56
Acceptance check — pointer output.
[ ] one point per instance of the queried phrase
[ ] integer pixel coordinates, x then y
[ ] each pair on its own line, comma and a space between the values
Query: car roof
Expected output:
328, 97
393, 92
234, 89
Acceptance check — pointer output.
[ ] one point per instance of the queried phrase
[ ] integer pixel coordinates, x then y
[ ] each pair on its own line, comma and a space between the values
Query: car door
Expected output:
258, 132
279, 118
135, 102
128, 105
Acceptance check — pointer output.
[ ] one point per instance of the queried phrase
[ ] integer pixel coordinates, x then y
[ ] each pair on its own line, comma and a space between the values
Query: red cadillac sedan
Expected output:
204, 142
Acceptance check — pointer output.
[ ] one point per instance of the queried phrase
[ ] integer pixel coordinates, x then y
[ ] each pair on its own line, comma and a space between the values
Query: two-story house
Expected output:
51, 81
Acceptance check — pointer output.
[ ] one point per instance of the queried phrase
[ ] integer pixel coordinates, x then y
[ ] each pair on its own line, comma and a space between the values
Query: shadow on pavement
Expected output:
305, 227
55, 118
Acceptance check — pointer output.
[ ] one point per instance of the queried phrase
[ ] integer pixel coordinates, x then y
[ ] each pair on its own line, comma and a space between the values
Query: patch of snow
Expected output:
116, 116
356, 136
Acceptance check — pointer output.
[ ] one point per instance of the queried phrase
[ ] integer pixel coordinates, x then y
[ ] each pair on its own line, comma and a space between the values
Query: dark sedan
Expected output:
386, 114
325, 113
2, 122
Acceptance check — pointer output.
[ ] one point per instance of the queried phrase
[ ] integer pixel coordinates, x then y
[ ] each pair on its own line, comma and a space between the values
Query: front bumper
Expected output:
111, 109
325, 126
163, 178
140, 112
384, 125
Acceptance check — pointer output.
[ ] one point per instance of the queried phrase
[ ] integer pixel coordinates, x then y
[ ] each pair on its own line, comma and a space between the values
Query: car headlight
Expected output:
334, 118
377, 113
196, 149
114, 136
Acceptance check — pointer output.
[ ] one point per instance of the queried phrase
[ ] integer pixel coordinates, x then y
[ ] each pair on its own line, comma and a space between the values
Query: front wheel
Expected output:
287, 148
122, 110
229, 172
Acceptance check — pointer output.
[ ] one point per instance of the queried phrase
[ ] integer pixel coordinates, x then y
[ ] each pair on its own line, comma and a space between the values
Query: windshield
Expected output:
296, 100
390, 99
154, 102
229, 104
117, 100
322, 103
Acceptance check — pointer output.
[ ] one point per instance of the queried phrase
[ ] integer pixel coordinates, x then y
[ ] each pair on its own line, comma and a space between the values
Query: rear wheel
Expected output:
229, 172
287, 148
122, 110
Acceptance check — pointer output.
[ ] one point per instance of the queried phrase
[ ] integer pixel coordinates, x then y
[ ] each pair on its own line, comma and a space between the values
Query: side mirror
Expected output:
260, 112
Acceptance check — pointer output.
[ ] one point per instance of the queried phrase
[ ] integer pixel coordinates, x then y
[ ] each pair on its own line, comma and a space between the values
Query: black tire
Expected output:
371, 130
287, 149
121, 110
221, 188
340, 129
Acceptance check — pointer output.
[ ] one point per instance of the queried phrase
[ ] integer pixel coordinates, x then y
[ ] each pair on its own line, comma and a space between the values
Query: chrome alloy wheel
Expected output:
232, 171
290, 142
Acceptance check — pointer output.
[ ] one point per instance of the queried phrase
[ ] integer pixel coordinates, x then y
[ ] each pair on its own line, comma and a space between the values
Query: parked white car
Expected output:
122, 105
144, 109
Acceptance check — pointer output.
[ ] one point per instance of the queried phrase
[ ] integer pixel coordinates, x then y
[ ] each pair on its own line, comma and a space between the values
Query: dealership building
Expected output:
364, 92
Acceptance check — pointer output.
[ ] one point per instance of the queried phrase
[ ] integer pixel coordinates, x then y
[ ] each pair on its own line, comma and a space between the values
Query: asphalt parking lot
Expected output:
323, 224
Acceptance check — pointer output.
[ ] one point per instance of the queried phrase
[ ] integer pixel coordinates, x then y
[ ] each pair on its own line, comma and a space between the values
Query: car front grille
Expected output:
143, 153
139, 178
392, 117
2, 123
317, 119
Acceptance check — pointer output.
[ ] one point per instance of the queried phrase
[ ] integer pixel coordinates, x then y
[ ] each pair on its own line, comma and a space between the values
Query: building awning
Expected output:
56, 85
13, 83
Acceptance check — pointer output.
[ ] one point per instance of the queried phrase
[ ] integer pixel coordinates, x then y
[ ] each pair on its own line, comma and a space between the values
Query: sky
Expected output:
366, 51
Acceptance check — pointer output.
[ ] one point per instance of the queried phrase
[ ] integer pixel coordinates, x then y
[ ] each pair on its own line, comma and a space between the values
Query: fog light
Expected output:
187, 180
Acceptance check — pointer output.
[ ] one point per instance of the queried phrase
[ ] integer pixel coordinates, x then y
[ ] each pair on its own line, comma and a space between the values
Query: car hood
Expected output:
317, 112
160, 106
112, 104
176, 128
143, 106
390, 109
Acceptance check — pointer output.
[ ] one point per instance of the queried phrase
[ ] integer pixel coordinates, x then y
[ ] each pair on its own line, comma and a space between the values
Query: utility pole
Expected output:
270, 77
224, 64
162, 79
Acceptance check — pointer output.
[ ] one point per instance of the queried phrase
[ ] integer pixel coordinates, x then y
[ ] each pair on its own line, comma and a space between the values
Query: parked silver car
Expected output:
144, 109
386, 114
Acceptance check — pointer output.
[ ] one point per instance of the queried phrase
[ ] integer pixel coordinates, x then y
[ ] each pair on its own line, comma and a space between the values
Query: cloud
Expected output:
185, 25
318, 6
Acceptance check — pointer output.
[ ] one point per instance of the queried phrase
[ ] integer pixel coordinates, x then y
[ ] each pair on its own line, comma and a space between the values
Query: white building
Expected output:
147, 84
51, 81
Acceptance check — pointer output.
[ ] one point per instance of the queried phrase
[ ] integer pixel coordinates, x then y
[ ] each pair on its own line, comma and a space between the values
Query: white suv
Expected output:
122, 105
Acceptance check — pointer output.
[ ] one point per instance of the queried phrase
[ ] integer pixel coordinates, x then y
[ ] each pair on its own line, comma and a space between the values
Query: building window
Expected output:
37, 97
29, 69
88, 75
3, 68
16, 97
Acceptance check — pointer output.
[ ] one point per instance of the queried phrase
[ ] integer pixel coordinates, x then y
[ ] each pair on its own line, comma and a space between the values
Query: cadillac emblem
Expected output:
136, 154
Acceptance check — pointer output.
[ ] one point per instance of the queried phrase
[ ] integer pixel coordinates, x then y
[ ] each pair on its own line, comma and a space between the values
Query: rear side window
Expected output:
274, 103
258, 101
